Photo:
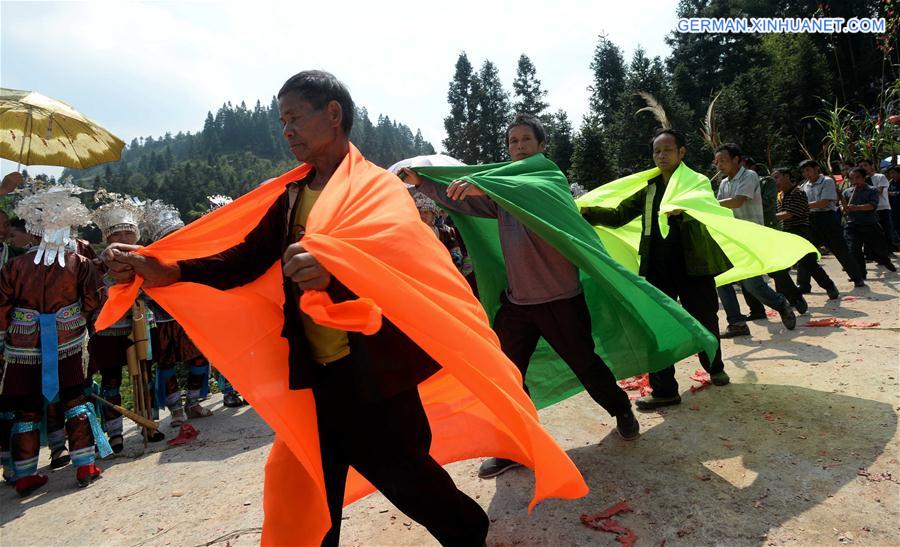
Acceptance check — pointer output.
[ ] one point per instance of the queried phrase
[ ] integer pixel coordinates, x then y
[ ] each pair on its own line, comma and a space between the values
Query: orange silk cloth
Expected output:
365, 230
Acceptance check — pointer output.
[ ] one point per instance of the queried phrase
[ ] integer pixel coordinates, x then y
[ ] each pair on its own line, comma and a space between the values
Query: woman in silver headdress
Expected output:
45, 297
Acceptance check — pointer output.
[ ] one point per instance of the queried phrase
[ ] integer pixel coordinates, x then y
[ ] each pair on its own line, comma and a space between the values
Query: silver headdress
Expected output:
159, 220
423, 202
219, 200
51, 211
117, 213
577, 190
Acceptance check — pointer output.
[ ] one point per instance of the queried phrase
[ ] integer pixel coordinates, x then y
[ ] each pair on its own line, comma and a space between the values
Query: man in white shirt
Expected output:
881, 184
740, 192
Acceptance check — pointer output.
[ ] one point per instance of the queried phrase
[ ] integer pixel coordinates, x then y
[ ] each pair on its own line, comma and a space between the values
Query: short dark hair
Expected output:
531, 121
786, 171
680, 139
733, 150
867, 160
17, 223
861, 171
750, 160
320, 88
892, 168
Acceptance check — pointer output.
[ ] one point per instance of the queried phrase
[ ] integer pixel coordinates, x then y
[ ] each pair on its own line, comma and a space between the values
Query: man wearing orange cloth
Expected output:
370, 378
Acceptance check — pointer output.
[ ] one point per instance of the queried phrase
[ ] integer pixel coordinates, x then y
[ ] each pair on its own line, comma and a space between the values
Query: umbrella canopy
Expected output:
425, 161
38, 130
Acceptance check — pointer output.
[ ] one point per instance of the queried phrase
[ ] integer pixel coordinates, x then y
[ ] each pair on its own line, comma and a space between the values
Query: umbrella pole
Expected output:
28, 124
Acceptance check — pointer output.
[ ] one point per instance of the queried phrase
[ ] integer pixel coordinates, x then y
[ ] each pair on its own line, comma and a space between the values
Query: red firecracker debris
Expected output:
771, 313
701, 376
186, 434
850, 298
603, 522
769, 417
835, 322
637, 387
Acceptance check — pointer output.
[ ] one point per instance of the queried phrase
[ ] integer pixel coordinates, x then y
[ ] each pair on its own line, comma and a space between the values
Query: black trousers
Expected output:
388, 442
566, 326
826, 230
808, 267
887, 227
872, 237
699, 298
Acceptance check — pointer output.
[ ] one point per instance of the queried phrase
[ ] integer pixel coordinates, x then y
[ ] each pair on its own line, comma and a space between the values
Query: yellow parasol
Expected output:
38, 130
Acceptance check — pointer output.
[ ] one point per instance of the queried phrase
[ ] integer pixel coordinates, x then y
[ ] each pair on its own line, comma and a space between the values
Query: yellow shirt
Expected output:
328, 345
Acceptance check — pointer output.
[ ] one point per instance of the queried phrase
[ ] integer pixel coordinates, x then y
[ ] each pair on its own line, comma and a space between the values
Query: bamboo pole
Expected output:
133, 416
137, 354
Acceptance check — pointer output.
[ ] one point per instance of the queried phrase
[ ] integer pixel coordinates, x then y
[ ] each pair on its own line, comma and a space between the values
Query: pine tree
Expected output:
559, 146
493, 115
210, 135
460, 125
631, 130
608, 67
527, 89
590, 164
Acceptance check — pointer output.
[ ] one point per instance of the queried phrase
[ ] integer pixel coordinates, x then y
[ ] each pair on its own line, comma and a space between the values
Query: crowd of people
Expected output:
54, 282
53, 285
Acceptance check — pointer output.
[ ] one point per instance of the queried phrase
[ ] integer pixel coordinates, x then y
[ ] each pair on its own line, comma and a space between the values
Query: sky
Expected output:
144, 68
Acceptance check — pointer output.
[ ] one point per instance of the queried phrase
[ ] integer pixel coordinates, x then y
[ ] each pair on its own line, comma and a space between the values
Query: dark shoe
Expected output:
492, 467
736, 330
155, 436
27, 485
86, 474
890, 266
232, 400
756, 316
628, 426
833, 293
788, 318
117, 443
859, 283
720, 378
805, 290
800, 305
59, 459
651, 402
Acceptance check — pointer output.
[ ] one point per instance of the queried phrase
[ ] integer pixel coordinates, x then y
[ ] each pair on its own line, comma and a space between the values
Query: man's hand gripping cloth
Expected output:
636, 327
752, 249
365, 230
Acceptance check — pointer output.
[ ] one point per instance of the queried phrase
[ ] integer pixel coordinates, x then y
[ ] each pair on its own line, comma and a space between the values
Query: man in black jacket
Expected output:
682, 265
368, 408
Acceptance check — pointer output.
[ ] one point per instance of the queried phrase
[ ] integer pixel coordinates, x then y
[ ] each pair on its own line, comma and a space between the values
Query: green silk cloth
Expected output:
636, 327
752, 249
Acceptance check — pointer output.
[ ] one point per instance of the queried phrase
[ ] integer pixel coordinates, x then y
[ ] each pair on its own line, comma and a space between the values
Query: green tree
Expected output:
462, 123
591, 166
560, 145
630, 130
493, 115
527, 89
608, 69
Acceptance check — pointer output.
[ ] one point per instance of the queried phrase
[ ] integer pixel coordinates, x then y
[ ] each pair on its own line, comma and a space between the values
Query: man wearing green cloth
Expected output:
544, 297
682, 264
